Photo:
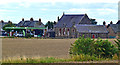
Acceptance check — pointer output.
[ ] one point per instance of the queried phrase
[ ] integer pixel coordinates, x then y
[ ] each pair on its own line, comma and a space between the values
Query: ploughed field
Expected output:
59, 48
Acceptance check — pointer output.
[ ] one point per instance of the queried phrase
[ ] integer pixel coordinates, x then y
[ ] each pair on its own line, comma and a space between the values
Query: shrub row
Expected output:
98, 48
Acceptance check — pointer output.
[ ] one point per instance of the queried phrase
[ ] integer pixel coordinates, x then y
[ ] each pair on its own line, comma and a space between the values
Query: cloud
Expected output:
105, 11
102, 14
100, 21
44, 9
55, 1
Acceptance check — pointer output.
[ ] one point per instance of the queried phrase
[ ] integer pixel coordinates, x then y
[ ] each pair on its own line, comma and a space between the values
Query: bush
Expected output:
83, 57
28, 35
82, 46
99, 48
118, 45
104, 48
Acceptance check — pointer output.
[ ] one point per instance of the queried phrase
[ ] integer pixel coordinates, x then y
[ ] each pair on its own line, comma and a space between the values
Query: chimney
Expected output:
39, 21
31, 19
63, 13
58, 18
22, 19
104, 23
9, 22
111, 22
2, 21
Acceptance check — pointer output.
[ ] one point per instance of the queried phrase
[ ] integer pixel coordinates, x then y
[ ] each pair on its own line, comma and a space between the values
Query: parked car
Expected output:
18, 35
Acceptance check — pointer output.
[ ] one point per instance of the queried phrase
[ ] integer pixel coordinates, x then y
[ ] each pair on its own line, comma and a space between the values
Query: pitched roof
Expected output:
118, 22
84, 28
115, 27
28, 23
67, 20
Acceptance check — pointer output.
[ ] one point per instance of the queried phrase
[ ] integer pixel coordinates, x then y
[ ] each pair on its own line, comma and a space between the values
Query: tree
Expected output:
99, 48
55, 23
93, 21
8, 25
49, 24
118, 45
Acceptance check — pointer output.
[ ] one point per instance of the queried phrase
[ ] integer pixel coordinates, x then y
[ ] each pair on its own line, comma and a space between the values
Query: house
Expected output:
30, 23
114, 30
75, 25
33, 23
92, 31
2, 24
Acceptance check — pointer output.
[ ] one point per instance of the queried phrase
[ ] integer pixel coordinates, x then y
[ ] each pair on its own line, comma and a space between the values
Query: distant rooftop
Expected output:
67, 20
84, 28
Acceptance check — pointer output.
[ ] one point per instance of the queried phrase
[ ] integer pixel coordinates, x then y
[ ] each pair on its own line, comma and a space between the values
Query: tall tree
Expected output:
49, 25
55, 23
93, 21
8, 25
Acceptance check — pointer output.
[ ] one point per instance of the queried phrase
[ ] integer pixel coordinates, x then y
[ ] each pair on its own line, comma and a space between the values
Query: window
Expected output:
68, 32
63, 31
59, 31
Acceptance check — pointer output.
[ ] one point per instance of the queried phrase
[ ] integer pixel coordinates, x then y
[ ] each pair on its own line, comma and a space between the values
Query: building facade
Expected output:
33, 23
114, 30
74, 26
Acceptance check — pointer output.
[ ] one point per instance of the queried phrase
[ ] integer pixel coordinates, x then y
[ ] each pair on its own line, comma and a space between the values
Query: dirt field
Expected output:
36, 47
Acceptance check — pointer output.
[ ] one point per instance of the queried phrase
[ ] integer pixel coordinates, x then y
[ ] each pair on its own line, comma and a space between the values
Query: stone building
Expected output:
73, 26
114, 30
92, 31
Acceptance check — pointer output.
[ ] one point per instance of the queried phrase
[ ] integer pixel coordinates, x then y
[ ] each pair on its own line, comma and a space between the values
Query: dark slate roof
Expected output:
28, 23
67, 20
84, 28
118, 22
115, 27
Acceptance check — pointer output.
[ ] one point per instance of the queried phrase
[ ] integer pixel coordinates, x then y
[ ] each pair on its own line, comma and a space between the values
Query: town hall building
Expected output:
76, 25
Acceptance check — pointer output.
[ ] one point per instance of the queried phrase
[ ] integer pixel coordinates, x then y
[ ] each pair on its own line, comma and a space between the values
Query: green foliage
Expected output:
104, 48
38, 60
99, 48
82, 45
8, 25
50, 24
28, 35
118, 45
83, 57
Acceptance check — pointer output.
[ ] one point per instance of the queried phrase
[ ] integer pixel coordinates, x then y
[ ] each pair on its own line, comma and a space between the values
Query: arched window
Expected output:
63, 31
73, 31
60, 31
68, 32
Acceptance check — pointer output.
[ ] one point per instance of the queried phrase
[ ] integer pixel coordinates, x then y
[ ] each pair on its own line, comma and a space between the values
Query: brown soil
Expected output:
37, 47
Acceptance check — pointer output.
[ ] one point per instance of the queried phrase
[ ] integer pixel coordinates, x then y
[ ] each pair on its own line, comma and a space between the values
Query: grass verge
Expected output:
77, 58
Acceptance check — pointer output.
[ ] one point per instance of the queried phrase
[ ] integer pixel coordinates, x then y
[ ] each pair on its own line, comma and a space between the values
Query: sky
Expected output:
49, 10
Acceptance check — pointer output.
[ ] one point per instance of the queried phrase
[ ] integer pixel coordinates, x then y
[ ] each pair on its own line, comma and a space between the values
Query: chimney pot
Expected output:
111, 22
58, 18
2, 21
104, 23
39, 21
31, 19
22, 19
